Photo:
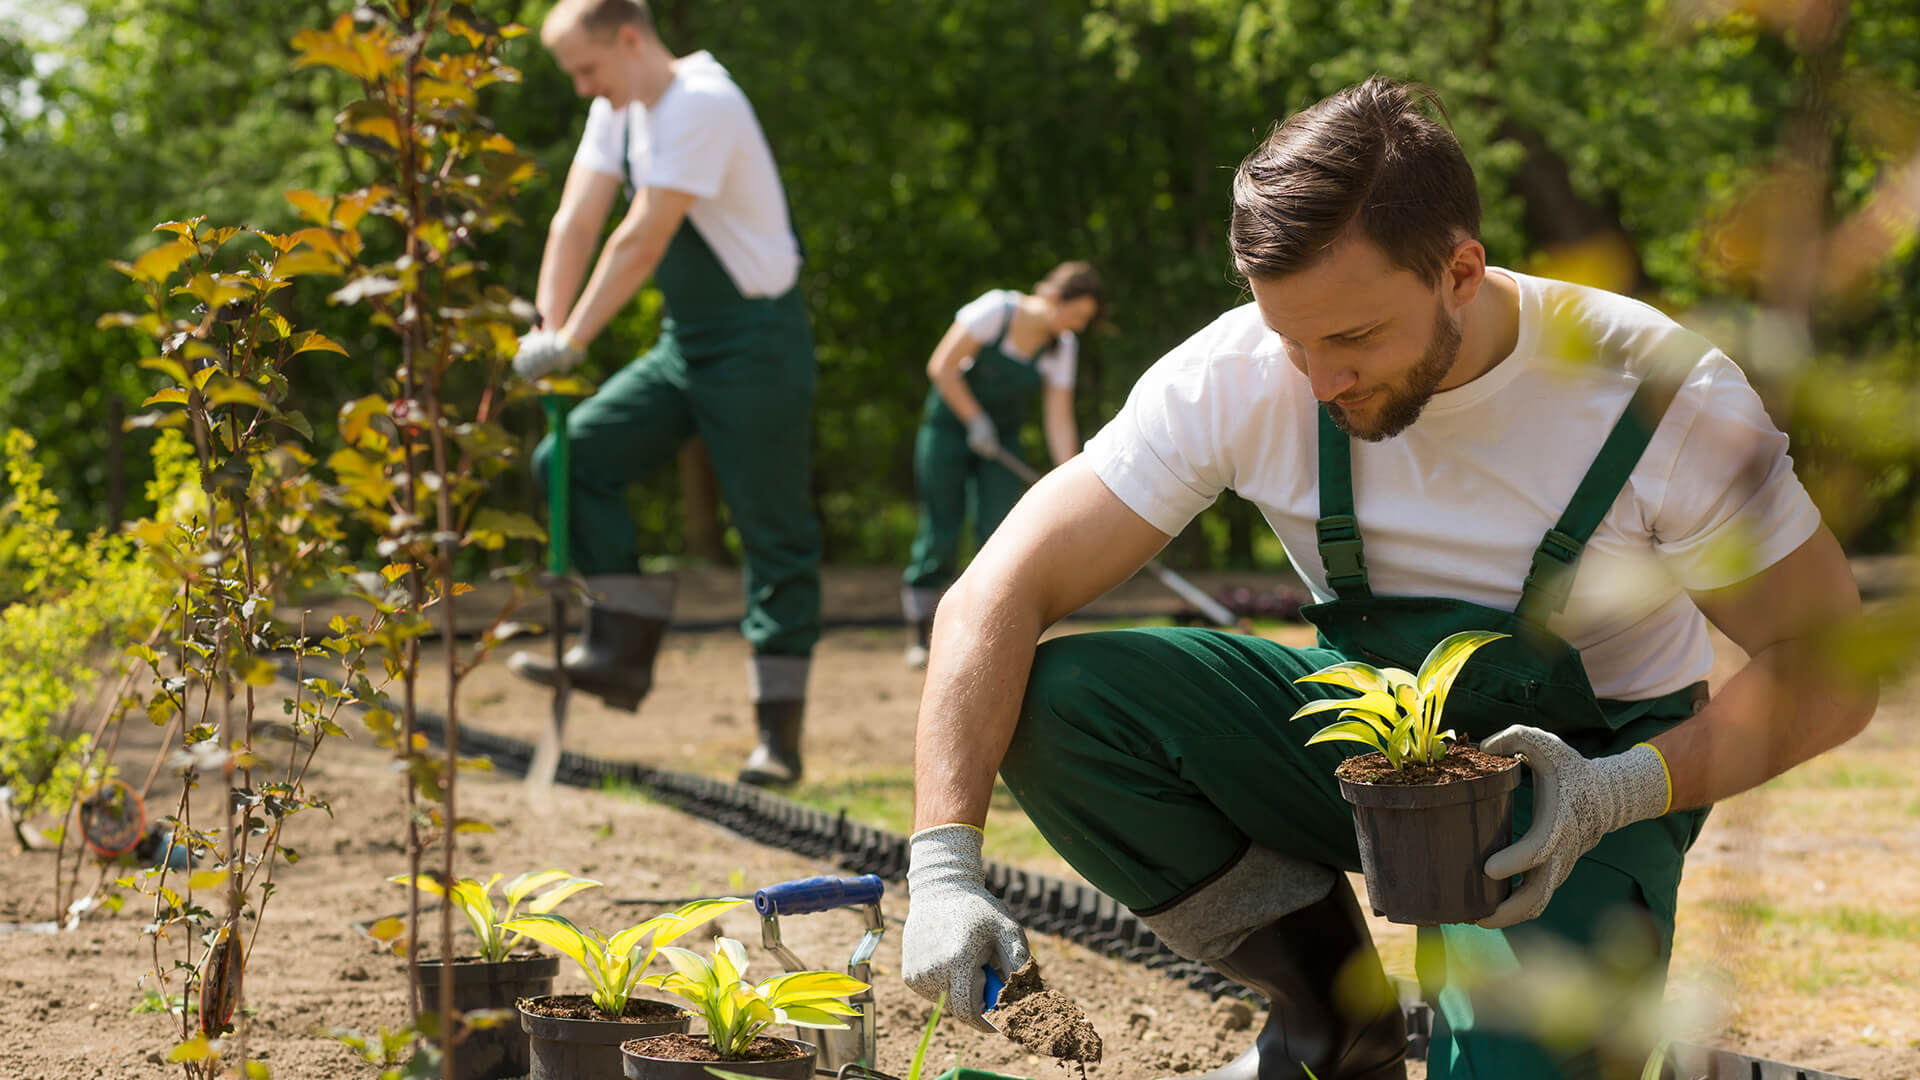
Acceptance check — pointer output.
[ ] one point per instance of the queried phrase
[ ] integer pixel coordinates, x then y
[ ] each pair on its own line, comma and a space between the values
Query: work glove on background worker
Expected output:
955, 926
1576, 801
982, 437
543, 352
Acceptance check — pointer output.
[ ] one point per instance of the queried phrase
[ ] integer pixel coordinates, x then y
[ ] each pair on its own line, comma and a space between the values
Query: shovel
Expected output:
1216, 613
546, 755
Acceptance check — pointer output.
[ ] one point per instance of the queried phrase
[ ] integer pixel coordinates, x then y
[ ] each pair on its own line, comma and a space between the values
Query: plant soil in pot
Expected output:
571, 1039
497, 1052
1426, 831
688, 1057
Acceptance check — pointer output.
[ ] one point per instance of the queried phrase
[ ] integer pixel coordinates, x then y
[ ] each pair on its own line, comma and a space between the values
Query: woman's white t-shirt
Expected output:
702, 138
1455, 505
986, 319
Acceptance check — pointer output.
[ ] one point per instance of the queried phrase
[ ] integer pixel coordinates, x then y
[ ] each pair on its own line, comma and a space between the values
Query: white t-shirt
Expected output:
986, 318
1455, 505
702, 138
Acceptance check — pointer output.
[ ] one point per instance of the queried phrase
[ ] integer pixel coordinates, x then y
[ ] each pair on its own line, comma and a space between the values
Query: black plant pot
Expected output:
585, 1049
1424, 847
498, 1052
640, 1065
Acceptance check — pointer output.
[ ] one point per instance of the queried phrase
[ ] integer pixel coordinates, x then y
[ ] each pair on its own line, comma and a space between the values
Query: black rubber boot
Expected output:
1296, 962
776, 761
613, 660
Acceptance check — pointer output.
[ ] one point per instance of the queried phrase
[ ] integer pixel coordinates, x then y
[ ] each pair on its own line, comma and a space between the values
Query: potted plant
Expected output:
578, 1036
736, 1012
497, 976
1427, 814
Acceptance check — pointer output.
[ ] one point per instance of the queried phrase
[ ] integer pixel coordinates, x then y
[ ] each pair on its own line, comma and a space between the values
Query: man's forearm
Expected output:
563, 265
983, 641
1782, 708
625, 264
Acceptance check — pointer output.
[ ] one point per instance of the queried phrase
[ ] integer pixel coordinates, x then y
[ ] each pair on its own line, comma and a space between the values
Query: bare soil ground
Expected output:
1800, 913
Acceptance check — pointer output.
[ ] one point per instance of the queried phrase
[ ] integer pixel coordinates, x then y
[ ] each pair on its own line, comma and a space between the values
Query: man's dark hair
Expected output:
1368, 156
603, 17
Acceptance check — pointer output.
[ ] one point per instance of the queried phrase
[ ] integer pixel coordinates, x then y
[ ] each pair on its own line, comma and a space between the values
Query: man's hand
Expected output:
982, 439
544, 352
1576, 801
954, 925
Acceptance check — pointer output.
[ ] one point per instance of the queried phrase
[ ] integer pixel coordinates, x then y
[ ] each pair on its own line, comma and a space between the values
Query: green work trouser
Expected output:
954, 483
753, 406
1150, 759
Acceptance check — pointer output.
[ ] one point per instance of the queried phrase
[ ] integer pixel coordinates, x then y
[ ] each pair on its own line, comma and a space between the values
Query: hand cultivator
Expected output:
852, 1048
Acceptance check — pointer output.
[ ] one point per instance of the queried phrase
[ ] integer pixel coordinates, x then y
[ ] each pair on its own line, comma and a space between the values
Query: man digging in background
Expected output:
1412, 423
734, 363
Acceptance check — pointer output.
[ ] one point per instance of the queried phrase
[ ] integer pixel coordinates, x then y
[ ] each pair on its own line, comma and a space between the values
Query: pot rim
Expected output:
807, 1050
1412, 796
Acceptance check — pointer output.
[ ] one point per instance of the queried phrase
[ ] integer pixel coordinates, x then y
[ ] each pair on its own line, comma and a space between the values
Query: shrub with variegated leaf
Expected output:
475, 900
1398, 712
614, 965
737, 1011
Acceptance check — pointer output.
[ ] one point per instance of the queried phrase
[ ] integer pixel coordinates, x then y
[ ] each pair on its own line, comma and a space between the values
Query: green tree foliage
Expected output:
935, 150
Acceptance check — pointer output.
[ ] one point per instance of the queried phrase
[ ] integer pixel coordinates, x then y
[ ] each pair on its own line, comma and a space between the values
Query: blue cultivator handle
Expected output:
808, 895
990, 991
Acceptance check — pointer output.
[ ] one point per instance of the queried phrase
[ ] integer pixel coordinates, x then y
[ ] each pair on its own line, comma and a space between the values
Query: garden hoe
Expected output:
546, 755
1215, 612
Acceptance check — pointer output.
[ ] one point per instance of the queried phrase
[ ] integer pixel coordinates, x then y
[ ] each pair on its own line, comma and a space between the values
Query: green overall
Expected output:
949, 477
739, 373
1152, 759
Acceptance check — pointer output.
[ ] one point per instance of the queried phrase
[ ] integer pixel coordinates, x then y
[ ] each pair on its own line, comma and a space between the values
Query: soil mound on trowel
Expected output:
1044, 1021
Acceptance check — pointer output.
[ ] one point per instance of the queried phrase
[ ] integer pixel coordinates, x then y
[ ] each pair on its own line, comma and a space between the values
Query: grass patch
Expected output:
1853, 921
883, 798
1844, 776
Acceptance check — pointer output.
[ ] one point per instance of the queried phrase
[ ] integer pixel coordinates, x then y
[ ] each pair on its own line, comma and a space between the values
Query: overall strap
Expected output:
1007, 327
1550, 578
1337, 532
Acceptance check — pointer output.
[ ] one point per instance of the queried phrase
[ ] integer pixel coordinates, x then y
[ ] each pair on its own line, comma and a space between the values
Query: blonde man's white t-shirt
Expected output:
1455, 505
702, 138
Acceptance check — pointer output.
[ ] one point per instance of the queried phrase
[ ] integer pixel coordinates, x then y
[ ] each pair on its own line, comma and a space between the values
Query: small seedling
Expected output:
1397, 712
610, 963
736, 1011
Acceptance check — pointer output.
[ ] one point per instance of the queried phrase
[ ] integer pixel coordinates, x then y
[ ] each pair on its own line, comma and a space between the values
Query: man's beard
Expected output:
1403, 406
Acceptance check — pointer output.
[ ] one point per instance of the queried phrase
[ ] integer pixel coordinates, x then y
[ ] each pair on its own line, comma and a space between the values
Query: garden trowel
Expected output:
546, 754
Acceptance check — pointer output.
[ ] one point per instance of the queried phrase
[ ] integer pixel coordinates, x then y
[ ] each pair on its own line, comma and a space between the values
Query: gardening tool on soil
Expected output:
113, 819
546, 756
1216, 613
855, 1045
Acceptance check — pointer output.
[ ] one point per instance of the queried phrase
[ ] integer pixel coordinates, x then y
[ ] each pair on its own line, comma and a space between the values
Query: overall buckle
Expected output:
1341, 551
1550, 577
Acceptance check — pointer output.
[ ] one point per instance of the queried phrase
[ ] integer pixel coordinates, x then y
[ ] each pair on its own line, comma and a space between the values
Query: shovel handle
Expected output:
808, 895
990, 984
558, 471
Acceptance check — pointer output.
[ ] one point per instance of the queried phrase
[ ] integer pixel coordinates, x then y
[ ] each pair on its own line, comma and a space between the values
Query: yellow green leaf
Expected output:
550, 899
314, 208
159, 263
194, 1049
557, 932
1443, 664
207, 879
1347, 731
1352, 674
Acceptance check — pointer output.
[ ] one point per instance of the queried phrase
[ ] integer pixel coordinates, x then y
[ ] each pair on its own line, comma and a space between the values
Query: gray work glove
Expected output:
1576, 801
954, 925
544, 352
982, 439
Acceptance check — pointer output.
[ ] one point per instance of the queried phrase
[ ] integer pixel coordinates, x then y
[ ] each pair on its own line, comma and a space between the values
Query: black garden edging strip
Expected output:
1039, 902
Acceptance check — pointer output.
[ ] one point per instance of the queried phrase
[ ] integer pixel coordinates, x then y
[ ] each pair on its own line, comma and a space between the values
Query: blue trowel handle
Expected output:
808, 895
990, 995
